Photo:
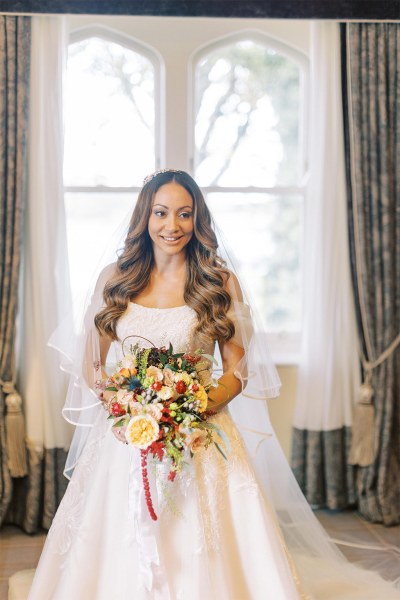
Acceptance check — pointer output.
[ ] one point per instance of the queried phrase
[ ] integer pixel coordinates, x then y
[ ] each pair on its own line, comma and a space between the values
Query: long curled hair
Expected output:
206, 273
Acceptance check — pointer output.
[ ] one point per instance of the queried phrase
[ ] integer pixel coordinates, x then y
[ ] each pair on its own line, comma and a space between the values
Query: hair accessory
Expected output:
152, 175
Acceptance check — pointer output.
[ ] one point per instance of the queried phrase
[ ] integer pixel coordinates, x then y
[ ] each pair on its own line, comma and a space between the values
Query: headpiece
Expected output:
148, 178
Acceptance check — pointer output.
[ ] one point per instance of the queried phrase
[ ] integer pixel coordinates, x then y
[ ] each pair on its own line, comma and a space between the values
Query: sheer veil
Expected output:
321, 566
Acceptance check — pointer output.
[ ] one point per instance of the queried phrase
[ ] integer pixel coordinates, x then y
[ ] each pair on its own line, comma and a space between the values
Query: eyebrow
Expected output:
180, 208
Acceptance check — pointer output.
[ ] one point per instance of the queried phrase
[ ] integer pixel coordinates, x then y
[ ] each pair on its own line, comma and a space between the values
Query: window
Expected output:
111, 140
236, 123
249, 159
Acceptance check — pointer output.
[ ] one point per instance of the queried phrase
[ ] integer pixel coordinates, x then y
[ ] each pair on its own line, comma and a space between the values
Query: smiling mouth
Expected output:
171, 238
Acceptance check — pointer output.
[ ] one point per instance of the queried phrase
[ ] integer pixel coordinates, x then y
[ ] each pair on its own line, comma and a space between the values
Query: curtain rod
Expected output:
121, 16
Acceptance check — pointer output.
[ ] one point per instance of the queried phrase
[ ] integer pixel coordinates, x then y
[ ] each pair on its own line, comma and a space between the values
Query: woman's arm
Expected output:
105, 344
229, 385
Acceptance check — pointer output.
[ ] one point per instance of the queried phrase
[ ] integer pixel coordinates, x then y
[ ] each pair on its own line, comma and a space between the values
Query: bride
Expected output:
235, 529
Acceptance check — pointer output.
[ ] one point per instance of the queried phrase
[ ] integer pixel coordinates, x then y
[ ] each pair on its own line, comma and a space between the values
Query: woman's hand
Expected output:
119, 433
229, 385
105, 397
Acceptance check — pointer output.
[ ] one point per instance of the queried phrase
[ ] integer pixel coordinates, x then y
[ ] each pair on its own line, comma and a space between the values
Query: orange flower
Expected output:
127, 372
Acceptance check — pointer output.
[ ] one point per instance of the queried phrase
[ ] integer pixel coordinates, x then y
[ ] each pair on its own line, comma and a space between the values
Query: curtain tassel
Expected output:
15, 428
362, 449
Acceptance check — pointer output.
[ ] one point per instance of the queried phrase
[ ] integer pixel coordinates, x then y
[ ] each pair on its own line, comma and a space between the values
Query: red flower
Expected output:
172, 475
195, 387
191, 359
117, 410
157, 385
157, 449
180, 387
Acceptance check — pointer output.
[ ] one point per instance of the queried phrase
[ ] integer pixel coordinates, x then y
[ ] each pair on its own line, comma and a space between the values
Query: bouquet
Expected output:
160, 402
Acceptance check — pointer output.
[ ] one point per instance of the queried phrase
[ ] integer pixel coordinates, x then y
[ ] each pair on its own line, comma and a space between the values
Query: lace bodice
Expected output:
160, 326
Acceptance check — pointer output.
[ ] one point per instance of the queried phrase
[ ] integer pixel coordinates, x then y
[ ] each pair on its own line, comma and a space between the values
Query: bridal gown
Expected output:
216, 536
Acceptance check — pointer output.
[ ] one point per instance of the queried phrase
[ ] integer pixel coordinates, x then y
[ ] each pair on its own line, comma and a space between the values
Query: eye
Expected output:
159, 213
186, 215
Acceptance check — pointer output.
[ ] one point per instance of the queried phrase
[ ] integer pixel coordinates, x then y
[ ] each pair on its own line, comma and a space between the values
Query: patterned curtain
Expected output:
14, 83
371, 71
36, 497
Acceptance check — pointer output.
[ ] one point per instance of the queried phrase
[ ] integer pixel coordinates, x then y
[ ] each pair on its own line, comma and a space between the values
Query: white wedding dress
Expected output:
216, 536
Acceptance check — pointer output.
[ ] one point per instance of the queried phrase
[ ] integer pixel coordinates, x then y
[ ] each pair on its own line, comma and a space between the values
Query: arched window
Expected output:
112, 137
249, 157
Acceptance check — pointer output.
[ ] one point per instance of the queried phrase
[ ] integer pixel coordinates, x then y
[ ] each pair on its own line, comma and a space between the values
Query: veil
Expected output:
321, 566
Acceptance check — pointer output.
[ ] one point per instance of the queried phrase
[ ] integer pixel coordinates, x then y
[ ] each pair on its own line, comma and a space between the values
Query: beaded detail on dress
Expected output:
161, 326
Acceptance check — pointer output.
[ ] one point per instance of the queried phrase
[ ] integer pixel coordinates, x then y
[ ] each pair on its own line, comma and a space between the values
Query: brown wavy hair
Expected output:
206, 273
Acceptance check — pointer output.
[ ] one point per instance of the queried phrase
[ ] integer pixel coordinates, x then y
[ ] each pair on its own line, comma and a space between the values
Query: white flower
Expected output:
128, 362
136, 408
155, 410
124, 397
165, 393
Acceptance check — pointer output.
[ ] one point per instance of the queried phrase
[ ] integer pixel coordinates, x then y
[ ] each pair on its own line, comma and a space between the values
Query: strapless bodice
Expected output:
158, 327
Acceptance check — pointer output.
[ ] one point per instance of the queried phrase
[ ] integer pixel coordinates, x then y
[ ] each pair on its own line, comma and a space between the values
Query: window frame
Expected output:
112, 35
285, 345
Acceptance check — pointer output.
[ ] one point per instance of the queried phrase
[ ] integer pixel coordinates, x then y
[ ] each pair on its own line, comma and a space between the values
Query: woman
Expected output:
217, 535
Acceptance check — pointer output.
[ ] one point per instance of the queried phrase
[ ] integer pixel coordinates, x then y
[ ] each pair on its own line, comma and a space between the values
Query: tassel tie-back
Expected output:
362, 451
15, 431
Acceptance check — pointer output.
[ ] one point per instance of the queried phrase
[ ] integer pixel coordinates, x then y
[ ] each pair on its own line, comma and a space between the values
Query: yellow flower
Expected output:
142, 431
185, 377
201, 395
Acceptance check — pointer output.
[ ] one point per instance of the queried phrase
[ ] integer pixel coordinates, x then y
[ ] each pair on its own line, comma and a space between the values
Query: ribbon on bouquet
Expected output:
146, 531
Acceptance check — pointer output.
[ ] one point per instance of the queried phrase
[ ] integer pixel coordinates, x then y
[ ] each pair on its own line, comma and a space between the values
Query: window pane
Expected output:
109, 115
91, 221
263, 232
247, 106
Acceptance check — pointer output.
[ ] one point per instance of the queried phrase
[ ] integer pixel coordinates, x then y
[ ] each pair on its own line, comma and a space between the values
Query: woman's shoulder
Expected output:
107, 273
232, 286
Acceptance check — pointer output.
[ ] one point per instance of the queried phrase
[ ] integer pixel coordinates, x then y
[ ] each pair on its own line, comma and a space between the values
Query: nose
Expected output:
171, 224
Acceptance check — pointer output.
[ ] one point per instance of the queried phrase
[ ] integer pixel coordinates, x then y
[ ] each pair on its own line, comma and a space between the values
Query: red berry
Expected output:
195, 387
180, 387
157, 385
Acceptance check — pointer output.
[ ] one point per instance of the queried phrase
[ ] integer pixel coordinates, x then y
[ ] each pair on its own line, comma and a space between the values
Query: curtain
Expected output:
329, 368
371, 73
45, 285
14, 88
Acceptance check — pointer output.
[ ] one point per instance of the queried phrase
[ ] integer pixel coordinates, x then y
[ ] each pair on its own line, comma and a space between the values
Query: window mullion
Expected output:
278, 190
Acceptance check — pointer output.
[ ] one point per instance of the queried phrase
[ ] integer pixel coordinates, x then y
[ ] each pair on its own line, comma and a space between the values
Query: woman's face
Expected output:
171, 219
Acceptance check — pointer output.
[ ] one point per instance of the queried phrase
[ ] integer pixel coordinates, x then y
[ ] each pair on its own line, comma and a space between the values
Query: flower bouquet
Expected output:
160, 403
